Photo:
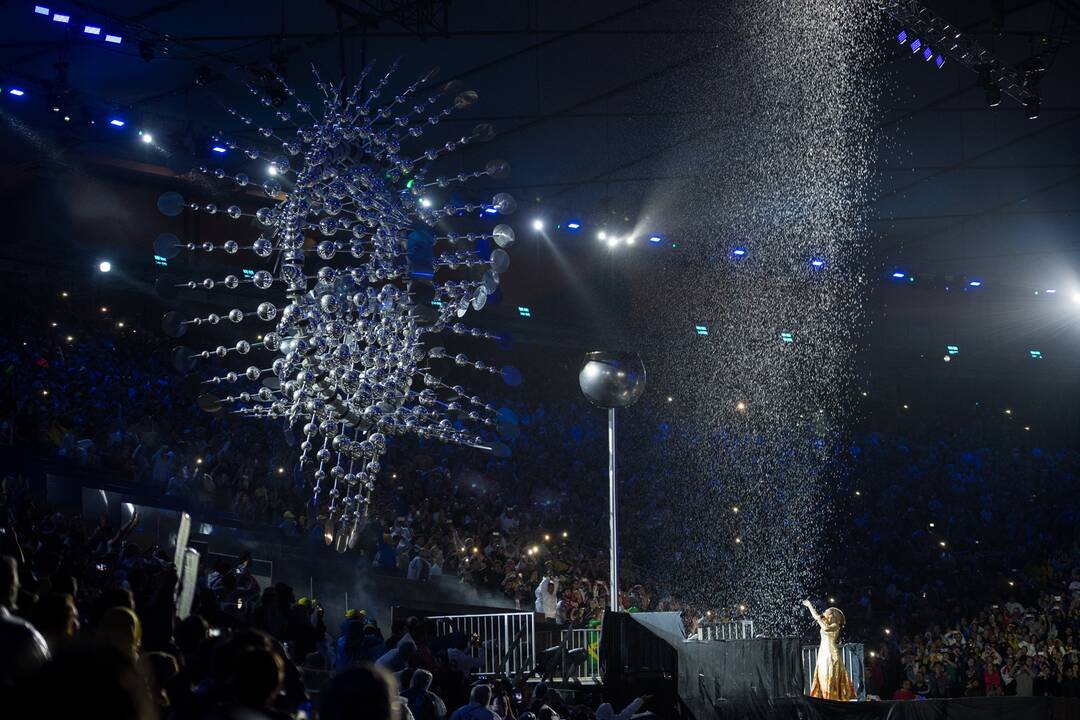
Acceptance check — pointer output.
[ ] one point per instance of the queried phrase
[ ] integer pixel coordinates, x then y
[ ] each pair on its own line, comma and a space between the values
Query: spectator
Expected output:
424, 704
24, 648
477, 708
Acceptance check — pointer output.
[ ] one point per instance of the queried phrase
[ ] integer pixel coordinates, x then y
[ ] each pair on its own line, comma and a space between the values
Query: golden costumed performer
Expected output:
831, 679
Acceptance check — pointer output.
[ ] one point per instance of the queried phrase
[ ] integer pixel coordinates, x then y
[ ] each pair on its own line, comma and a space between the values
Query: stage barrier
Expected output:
507, 640
853, 661
733, 630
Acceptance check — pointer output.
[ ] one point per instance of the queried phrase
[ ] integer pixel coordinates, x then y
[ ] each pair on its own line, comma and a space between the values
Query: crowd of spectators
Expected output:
87, 613
960, 579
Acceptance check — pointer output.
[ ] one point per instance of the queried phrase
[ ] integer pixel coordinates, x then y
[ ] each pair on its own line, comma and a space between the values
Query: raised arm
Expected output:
814, 613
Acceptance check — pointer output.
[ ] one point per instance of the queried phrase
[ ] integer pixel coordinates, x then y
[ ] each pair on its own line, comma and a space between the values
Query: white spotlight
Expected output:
147, 138
538, 224
601, 235
425, 202
104, 266
272, 169
1076, 297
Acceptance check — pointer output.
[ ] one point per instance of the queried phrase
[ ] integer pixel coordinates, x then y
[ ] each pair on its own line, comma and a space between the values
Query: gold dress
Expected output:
831, 679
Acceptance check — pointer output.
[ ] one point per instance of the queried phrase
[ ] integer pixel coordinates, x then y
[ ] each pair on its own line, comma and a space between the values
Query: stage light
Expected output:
91, 29
1050, 291
601, 235
858, 493
975, 283
735, 509
573, 226
1035, 354
817, 263
53, 324
630, 239
1026, 427
61, 18
117, 122
272, 171
547, 538
953, 349
901, 37
42, 10
888, 631
490, 210
947, 358
701, 329
424, 202
739, 252
942, 543
67, 118
248, 273
147, 138
104, 266
64, 294
939, 61
740, 407
537, 224
899, 275
1076, 297
524, 311
16, 92
70, 338
905, 407
1008, 411
915, 45
104, 309
219, 149
656, 239
1011, 583
114, 39
120, 324
738, 541
161, 261
565, 534
670, 399
787, 337
927, 53
436, 303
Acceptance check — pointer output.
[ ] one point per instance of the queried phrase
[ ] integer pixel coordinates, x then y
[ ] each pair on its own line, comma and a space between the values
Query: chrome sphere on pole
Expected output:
612, 379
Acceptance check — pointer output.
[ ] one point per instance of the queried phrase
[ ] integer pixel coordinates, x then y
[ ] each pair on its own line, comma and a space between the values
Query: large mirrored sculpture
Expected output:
362, 275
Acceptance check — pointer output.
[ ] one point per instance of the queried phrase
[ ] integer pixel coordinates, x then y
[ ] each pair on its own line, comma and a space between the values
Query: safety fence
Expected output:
506, 641
731, 630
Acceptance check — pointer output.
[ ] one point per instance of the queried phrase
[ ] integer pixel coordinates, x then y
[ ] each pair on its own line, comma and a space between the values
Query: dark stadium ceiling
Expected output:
591, 101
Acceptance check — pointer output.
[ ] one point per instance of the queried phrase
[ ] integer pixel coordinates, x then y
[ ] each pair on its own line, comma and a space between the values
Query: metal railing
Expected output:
589, 639
733, 630
853, 661
507, 640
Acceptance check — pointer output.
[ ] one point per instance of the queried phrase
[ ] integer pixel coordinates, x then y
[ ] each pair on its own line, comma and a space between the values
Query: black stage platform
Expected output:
762, 678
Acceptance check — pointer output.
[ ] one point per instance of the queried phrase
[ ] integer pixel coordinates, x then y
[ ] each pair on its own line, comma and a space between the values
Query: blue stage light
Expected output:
975, 283
573, 226
91, 30
114, 39
817, 263
436, 303
939, 61
953, 349
787, 337
739, 252
1035, 354
490, 210
701, 329
901, 37
1050, 291
248, 273
927, 53
42, 10
915, 45
117, 122
16, 92
899, 275
60, 18
161, 261
524, 311
656, 239
219, 149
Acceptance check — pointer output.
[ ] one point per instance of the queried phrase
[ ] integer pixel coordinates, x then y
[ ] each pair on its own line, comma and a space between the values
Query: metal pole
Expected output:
613, 514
